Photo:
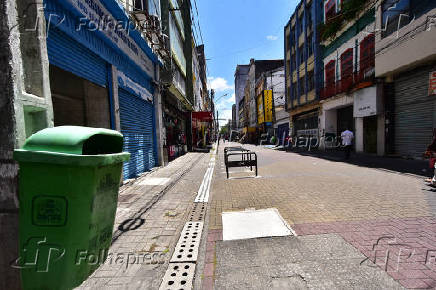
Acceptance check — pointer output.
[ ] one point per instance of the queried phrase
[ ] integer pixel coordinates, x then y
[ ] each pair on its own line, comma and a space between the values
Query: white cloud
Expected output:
224, 114
231, 100
272, 37
218, 84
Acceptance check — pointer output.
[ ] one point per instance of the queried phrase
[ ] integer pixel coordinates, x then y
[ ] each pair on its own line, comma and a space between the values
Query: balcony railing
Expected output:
356, 80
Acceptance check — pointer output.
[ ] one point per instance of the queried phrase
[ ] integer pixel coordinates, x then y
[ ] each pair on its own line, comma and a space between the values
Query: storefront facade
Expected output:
176, 123
202, 128
414, 111
101, 75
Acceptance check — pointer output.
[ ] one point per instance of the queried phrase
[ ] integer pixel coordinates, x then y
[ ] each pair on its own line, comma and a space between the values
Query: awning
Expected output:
202, 116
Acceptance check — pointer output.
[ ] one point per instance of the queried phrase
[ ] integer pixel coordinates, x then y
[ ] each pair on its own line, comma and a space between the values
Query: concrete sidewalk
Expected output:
151, 212
357, 227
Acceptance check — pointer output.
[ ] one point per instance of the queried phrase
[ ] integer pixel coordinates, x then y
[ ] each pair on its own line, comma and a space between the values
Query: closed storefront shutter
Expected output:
136, 118
414, 110
67, 54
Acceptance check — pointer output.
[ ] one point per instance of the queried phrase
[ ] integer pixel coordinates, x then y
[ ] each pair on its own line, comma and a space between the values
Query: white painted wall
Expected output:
411, 45
328, 117
275, 81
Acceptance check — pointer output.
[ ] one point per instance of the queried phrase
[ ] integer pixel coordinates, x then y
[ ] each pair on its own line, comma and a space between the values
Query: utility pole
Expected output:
217, 125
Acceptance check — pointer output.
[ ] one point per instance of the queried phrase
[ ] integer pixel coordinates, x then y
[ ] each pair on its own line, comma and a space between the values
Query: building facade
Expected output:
303, 68
256, 69
351, 97
241, 76
183, 80
405, 62
272, 117
76, 63
105, 78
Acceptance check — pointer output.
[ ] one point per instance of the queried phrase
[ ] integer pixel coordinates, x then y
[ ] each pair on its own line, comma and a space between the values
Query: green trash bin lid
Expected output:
70, 142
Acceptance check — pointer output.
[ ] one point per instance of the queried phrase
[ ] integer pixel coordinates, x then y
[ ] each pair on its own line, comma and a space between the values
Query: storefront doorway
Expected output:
370, 134
77, 101
345, 120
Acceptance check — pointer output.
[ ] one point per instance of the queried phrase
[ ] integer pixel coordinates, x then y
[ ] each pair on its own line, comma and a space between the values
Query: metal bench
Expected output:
233, 149
247, 159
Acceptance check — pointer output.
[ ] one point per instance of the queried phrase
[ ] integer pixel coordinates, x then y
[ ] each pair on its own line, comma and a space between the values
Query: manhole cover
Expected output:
178, 276
187, 247
250, 224
198, 212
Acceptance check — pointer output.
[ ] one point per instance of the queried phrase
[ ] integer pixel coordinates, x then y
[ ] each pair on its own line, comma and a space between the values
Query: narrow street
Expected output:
345, 218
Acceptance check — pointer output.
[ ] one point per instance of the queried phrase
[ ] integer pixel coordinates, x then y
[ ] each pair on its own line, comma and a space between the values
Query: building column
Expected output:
25, 108
159, 121
359, 134
115, 100
381, 135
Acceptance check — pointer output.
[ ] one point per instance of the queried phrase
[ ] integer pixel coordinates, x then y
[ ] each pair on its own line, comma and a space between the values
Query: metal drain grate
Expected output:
187, 247
198, 212
178, 276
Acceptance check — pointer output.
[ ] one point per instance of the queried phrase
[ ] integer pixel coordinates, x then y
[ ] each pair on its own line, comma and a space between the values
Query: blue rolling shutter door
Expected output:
67, 54
136, 118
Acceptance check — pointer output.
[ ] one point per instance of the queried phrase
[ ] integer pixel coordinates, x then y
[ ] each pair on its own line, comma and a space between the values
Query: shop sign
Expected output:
366, 103
268, 106
260, 111
432, 84
202, 116
133, 87
264, 107
307, 132
100, 19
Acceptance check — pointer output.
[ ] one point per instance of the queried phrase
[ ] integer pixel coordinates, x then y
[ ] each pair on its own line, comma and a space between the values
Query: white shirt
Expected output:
347, 137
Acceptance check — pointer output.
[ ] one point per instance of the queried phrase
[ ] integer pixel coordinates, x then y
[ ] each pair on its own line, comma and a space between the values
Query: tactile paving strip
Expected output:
198, 212
188, 244
178, 276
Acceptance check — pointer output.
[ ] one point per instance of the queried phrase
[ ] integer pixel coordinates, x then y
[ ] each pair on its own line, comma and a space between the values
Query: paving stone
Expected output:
158, 233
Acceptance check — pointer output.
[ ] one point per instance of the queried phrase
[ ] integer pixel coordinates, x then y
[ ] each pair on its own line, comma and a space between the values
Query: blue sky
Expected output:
235, 31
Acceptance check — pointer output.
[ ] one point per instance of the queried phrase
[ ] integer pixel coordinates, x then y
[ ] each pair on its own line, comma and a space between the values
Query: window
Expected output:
302, 86
294, 62
288, 66
301, 50
294, 90
330, 10
309, 17
330, 73
367, 54
309, 45
395, 14
347, 64
311, 81
301, 24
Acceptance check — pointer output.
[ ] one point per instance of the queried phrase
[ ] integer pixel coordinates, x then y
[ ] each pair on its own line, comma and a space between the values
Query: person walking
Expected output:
347, 141
431, 154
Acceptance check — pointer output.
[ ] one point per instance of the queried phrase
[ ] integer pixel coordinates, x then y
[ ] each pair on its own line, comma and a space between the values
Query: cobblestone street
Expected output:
388, 217
356, 227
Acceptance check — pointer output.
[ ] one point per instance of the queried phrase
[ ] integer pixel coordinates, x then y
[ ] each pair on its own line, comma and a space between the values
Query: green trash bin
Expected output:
68, 190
